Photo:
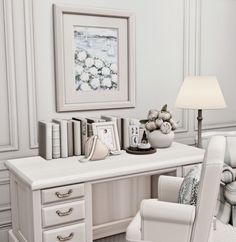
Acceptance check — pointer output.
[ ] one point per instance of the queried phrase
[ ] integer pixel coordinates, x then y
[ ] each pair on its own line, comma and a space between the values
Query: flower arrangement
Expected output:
160, 120
93, 73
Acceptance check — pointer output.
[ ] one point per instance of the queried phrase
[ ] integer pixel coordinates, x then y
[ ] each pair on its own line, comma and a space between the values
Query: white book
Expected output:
45, 139
63, 136
56, 144
125, 132
70, 138
77, 137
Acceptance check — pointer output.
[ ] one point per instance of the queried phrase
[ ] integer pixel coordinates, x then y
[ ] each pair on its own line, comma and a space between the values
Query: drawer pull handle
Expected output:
63, 195
60, 238
62, 214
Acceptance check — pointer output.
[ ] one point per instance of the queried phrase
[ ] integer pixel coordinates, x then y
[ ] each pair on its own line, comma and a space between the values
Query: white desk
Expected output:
39, 215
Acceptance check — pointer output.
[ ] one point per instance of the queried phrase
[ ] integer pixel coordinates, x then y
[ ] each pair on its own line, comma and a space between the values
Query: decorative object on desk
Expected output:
95, 149
160, 126
138, 151
144, 144
133, 135
108, 134
200, 92
95, 58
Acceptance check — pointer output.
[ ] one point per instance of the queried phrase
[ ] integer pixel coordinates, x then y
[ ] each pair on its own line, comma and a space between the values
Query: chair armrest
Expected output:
164, 221
168, 188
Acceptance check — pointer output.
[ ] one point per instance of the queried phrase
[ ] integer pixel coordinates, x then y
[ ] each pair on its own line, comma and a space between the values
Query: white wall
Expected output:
173, 39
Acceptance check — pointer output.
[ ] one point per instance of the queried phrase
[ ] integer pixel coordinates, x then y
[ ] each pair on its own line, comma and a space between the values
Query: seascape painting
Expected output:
95, 58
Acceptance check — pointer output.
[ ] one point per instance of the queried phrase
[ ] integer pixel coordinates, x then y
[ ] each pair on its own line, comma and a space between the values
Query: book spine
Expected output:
45, 140
77, 137
84, 135
56, 151
70, 141
125, 133
64, 143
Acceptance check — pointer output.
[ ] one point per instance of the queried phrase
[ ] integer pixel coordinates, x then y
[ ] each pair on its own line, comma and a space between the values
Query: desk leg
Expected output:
88, 212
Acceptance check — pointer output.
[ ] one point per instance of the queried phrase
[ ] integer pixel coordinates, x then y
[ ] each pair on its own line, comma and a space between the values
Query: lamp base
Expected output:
199, 131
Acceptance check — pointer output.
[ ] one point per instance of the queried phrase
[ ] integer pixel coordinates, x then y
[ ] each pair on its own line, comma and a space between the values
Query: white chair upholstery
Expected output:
165, 220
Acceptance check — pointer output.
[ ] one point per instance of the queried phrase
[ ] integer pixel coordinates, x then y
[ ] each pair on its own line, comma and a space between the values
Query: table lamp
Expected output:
200, 92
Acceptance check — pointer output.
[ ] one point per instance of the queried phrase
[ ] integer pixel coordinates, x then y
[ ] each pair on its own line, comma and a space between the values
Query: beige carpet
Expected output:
223, 233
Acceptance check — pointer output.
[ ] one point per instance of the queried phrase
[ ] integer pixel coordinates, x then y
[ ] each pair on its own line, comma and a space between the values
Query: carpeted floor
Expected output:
223, 233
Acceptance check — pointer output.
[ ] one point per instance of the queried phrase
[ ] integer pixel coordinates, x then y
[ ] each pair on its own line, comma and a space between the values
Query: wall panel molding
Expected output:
186, 60
31, 75
198, 71
11, 78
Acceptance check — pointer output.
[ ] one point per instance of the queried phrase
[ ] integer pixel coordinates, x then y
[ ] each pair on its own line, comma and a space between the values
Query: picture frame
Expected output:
94, 58
107, 132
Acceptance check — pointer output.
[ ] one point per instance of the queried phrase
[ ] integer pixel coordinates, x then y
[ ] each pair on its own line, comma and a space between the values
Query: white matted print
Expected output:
108, 134
95, 58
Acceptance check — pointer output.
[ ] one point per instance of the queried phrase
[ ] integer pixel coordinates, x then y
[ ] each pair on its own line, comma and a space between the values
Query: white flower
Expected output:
166, 128
84, 76
93, 71
114, 68
106, 71
82, 55
98, 63
95, 83
153, 114
159, 122
89, 62
85, 87
150, 126
106, 82
79, 69
114, 78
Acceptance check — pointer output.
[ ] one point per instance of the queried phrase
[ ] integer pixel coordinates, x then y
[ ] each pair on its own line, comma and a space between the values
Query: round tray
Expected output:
140, 152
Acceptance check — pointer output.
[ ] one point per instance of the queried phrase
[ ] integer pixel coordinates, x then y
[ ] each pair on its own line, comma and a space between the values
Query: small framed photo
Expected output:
107, 132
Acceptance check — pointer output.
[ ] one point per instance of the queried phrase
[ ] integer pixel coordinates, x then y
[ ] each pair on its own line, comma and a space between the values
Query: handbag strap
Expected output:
92, 150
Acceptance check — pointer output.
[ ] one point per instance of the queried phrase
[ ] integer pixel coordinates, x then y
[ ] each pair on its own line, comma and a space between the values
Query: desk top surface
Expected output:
39, 173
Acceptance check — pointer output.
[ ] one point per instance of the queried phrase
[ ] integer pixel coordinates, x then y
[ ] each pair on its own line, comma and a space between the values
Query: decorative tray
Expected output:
136, 151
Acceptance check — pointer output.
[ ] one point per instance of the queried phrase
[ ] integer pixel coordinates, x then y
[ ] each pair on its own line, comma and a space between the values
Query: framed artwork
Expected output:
108, 134
94, 58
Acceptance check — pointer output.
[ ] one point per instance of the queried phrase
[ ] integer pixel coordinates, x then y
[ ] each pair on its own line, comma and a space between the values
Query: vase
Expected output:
159, 140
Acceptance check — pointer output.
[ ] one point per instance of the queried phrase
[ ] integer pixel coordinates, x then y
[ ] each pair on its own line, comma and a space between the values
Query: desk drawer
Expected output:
62, 193
63, 213
73, 233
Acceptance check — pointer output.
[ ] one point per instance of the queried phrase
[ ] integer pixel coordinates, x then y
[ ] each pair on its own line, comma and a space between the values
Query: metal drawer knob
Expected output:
63, 195
62, 214
60, 238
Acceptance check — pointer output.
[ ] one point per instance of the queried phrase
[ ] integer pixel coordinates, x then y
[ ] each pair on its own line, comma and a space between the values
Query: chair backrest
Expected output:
230, 152
208, 188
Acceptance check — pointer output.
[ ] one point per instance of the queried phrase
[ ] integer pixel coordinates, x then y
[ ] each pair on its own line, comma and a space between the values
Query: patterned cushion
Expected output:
189, 187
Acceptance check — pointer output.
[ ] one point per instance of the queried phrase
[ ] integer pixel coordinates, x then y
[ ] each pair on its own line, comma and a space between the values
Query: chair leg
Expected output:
234, 215
214, 223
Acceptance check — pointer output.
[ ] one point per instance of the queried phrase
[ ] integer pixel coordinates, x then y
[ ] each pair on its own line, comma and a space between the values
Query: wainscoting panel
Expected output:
216, 55
8, 121
173, 39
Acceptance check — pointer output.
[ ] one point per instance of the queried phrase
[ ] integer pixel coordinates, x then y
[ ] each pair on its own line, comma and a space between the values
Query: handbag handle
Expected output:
92, 150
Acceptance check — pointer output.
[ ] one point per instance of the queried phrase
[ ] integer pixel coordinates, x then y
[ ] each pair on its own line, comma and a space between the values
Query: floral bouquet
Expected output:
93, 73
160, 120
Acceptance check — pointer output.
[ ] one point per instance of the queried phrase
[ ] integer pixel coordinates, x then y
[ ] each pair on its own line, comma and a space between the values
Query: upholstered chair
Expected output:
166, 220
226, 204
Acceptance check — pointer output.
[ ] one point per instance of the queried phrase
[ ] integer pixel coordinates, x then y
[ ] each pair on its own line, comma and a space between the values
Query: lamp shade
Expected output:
200, 92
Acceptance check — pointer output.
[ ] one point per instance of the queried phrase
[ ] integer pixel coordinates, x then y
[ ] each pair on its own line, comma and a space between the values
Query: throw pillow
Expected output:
189, 187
